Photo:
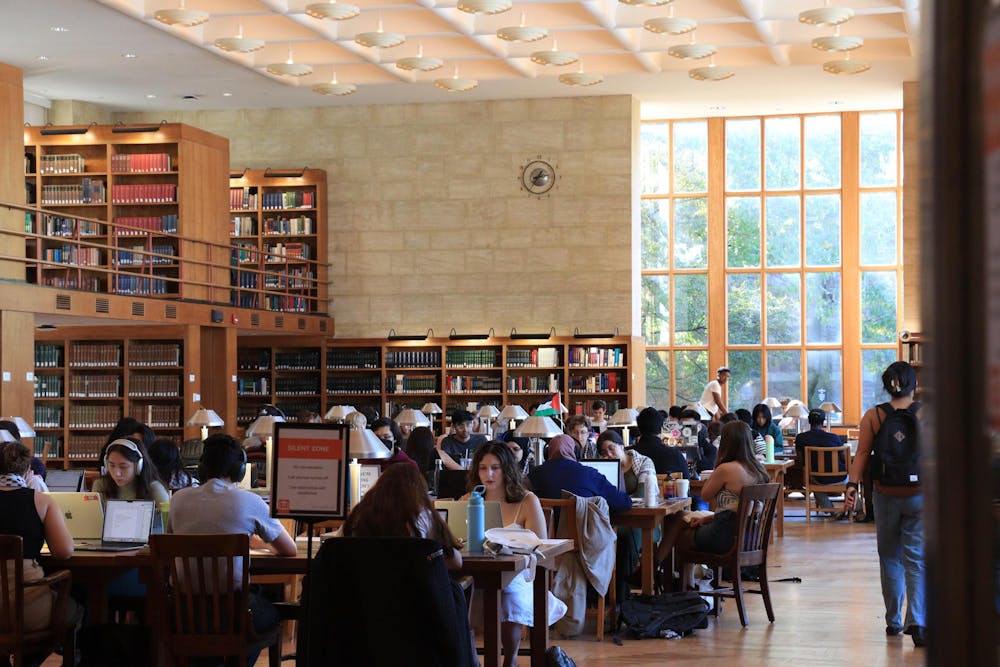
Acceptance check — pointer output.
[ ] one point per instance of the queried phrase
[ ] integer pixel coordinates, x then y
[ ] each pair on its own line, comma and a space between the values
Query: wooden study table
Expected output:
776, 471
647, 519
491, 574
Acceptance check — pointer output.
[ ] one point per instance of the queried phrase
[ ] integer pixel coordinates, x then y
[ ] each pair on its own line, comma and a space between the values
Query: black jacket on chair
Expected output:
383, 602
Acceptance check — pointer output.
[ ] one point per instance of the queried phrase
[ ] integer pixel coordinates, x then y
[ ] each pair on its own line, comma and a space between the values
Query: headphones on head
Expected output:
236, 473
125, 443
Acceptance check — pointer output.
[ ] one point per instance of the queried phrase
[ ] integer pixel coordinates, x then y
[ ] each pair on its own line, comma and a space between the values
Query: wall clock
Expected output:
538, 177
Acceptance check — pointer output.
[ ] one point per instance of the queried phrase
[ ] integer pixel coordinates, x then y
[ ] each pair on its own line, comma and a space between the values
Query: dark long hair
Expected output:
420, 446
391, 508
736, 444
513, 482
143, 480
761, 409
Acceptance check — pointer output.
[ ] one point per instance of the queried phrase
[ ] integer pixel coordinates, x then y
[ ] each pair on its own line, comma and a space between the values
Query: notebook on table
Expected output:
458, 513
83, 512
127, 524
610, 468
70, 481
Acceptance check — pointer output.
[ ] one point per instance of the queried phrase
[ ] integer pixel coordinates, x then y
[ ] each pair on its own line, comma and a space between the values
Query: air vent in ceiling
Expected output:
279, 322
170, 311
138, 309
64, 302
102, 306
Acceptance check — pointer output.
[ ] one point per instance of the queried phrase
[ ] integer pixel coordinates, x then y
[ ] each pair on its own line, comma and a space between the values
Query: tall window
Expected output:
771, 245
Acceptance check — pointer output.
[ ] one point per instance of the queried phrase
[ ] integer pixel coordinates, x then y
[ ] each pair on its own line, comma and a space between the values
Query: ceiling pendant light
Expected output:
826, 15
239, 43
289, 67
554, 56
332, 11
668, 25
581, 78
836, 42
181, 16
522, 33
846, 66
485, 6
646, 3
419, 62
711, 72
334, 88
379, 39
692, 50
455, 84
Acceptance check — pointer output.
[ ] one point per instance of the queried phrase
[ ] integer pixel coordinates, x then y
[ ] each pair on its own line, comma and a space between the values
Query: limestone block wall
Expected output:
428, 224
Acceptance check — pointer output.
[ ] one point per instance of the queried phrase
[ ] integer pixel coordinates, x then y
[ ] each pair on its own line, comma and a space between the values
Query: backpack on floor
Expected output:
646, 616
896, 450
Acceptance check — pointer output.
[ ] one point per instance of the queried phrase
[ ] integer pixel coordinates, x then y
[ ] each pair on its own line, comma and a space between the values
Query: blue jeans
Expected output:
900, 535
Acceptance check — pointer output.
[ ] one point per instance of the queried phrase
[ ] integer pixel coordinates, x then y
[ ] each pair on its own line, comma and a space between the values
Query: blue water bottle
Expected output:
477, 520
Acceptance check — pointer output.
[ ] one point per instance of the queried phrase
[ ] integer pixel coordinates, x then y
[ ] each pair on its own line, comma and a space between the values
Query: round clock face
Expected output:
538, 177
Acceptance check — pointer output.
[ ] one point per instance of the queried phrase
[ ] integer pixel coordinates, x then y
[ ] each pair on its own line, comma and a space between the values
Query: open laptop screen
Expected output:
128, 520
64, 480
610, 468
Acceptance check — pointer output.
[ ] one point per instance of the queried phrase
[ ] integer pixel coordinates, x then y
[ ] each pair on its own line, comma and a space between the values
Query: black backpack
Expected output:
896, 451
645, 616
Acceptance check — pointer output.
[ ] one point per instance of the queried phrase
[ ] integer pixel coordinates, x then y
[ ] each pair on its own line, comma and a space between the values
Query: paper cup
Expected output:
681, 487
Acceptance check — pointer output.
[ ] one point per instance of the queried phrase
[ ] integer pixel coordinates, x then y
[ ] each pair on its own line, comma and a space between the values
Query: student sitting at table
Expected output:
764, 426
578, 428
219, 506
461, 442
666, 459
129, 474
737, 467
166, 455
817, 436
562, 472
494, 467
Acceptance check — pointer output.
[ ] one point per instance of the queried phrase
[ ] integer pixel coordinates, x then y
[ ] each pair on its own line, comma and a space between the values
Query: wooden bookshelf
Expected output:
163, 187
278, 224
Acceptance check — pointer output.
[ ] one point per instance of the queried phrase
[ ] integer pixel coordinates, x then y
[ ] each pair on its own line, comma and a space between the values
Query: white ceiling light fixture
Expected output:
289, 67
846, 66
181, 16
581, 78
836, 42
668, 25
522, 33
239, 43
379, 39
485, 6
420, 62
692, 50
554, 56
711, 72
456, 84
332, 11
335, 88
826, 15
646, 3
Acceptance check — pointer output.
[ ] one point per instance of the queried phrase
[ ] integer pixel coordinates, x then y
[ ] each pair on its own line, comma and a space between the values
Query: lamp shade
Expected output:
796, 410
513, 412
23, 427
205, 417
830, 406
538, 427
338, 412
412, 418
6, 436
431, 409
488, 412
624, 417
771, 402
366, 445
263, 426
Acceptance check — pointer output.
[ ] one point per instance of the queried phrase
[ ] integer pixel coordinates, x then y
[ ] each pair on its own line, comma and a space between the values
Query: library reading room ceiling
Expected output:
288, 53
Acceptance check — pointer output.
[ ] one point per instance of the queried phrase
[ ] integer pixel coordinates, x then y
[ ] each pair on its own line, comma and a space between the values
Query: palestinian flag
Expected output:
552, 408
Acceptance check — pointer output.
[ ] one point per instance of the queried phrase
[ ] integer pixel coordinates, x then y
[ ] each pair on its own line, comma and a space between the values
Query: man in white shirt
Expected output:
711, 398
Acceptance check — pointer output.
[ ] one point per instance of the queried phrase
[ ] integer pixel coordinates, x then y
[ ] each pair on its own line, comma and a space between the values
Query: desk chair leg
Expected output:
738, 594
765, 592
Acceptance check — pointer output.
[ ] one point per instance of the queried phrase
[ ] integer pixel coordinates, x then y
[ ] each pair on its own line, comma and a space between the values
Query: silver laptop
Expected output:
610, 468
83, 512
70, 481
127, 524
458, 512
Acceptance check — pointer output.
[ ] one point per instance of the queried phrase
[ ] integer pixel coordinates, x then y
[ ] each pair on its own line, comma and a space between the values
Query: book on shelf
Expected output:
298, 360
143, 225
465, 384
242, 225
154, 354
344, 358
252, 386
353, 384
244, 198
401, 383
48, 355
48, 416
596, 356
412, 358
94, 386
138, 285
302, 224
48, 386
157, 416
88, 191
94, 416
154, 386
595, 383
530, 384
470, 358
48, 446
253, 359
141, 162
71, 254
54, 225
67, 163
297, 386
95, 354
533, 357
144, 193
291, 199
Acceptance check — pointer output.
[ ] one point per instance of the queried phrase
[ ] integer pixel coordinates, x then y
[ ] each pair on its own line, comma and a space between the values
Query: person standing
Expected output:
711, 397
898, 500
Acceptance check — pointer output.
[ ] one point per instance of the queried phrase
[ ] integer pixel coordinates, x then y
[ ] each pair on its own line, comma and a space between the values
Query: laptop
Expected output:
66, 481
127, 524
458, 511
83, 512
610, 468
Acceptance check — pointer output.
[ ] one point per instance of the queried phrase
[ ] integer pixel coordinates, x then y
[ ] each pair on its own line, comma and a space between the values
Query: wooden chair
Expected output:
13, 638
828, 462
289, 609
756, 512
202, 612
566, 508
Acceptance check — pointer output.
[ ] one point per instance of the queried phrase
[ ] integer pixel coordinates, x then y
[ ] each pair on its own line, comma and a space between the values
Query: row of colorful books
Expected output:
88, 191
141, 162
144, 193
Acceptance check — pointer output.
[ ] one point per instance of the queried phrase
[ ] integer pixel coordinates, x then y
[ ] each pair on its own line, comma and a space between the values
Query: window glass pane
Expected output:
823, 307
656, 310
658, 378
691, 309
823, 230
781, 153
743, 231
824, 380
655, 233
878, 228
878, 149
743, 154
743, 308
691, 156
784, 374
873, 364
691, 233
744, 382
784, 309
691, 369
822, 147
878, 306
654, 151
783, 231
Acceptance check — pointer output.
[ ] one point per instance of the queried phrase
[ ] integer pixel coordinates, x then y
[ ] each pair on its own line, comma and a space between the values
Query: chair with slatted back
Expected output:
203, 612
14, 639
564, 514
825, 462
755, 512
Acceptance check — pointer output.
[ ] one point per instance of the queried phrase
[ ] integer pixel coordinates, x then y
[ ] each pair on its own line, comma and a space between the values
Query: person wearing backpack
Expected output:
889, 445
